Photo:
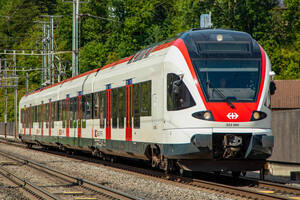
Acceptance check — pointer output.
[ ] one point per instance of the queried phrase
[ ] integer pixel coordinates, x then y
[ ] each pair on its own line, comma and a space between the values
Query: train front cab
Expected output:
233, 131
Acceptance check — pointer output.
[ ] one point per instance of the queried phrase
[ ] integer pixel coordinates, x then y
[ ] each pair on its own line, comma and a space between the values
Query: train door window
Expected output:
108, 108
121, 106
39, 115
178, 96
46, 114
88, 107
102, 108
71, 113
63, 113
83, 106
33, 114
136, 105
115, 108
146, 98
75, 113
96, 105
22, 113
57, 111
52, 110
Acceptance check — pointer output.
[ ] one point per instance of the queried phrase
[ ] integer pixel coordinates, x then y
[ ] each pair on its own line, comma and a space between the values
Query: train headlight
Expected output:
204, 115
207, 115
257, 115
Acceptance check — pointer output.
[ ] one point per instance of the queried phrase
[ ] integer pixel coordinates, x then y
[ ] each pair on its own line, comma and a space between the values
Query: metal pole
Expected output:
16, 94
75, 60
5, 94
16, 111
52, 49
43, 56
47, 56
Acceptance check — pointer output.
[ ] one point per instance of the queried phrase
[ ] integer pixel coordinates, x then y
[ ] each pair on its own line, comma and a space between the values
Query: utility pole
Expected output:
48, 57
16, 94
52, 49
44, 51
5, 101
75, 52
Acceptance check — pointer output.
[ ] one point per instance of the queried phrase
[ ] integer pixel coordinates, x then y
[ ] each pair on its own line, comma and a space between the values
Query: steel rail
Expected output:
79, 181
9, 175
274, 186
223, 188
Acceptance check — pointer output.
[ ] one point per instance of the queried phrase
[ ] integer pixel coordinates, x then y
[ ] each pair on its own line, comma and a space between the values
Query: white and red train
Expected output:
199, 102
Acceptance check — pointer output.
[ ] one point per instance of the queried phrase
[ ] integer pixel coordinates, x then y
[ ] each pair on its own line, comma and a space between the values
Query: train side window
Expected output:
179, 96
115, 108
136, 105
121, 106
146, 98
102, 108
96, 105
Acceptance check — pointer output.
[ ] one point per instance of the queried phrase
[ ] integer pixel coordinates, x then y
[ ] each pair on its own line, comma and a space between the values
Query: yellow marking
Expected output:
73, 192
267, 191
294, 198
85, 198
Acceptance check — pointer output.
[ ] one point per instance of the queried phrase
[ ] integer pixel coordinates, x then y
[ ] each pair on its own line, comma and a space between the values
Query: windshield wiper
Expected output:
221, 94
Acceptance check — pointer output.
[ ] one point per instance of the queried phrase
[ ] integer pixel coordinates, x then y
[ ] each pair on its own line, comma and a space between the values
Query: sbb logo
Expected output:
232, 115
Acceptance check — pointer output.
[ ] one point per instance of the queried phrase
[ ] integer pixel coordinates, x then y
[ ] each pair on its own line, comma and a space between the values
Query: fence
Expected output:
10, 128
286, 131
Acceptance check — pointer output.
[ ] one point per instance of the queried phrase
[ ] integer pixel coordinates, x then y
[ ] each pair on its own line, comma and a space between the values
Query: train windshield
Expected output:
234, 80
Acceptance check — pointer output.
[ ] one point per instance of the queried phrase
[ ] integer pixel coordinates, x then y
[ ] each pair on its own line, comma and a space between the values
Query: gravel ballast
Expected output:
129, 183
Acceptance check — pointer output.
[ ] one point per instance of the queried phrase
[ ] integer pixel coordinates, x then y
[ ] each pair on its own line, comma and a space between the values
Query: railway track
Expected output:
241, 188
74, 187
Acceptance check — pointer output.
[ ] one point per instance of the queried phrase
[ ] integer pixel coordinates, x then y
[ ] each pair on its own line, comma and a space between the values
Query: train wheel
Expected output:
236, 174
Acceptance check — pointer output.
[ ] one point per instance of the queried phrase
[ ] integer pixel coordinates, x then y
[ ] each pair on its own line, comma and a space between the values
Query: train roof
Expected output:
195, 34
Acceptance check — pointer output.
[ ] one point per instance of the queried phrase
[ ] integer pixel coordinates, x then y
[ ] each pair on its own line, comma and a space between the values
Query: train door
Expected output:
108, 111
67, 116
79, 118
50, 117
128, 109
30, 119
42, 118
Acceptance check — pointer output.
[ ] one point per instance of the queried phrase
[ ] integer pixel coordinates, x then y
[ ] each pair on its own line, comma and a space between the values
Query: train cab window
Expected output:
146, 98
136, 105
115, 108
121, 106
102, 109
179, 96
